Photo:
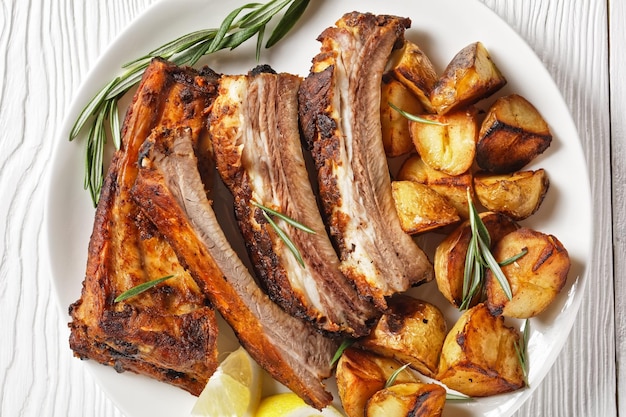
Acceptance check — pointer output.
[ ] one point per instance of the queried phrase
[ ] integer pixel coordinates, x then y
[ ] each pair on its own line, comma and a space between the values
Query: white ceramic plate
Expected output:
441, 28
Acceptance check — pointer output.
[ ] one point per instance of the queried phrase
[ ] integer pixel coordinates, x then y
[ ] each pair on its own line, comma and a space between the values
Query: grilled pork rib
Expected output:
340, 120
170, 192
256, 140
169, 332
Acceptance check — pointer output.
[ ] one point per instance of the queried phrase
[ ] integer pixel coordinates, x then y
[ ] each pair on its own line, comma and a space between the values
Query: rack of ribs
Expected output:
168, 333
258, 152
339, 105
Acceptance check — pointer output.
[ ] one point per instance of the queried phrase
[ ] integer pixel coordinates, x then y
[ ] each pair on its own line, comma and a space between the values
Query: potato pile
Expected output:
455, 153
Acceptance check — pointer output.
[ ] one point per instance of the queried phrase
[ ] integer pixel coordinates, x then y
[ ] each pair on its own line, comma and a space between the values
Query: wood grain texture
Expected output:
617, 33
47, 48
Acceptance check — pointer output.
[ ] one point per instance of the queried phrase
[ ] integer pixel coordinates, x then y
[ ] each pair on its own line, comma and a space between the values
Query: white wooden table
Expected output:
47, 47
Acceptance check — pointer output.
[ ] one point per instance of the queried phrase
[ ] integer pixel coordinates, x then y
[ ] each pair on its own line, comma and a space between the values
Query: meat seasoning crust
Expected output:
340, 120
168, 333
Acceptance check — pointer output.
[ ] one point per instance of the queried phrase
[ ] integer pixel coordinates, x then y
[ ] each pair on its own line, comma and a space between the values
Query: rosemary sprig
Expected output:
186, 50
392, 378
453, 397
479, 257
415, 118
280, 232
521, 349
345, 344
138, 289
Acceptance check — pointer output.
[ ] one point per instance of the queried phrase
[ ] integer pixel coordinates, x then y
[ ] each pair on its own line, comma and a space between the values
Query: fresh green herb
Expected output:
141, 288
479, 257
521, 348
186, 50
285, 218
280, 232
344, 345
415, 118
394, 376
458, 397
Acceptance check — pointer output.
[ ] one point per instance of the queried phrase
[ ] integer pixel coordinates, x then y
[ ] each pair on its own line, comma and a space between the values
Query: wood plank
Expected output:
571, 39
617, 33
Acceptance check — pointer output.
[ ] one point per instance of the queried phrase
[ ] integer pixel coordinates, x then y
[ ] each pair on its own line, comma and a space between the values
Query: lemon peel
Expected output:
234, 390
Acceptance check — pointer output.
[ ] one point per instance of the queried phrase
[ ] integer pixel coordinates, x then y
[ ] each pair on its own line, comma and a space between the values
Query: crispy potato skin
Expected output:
535, 279
395, 127
449, 146
408, 399
420, 208
469, 77
479, 357
449, 261
518, 195
412, 67
411, 332
360, 374
512, 134
452, 187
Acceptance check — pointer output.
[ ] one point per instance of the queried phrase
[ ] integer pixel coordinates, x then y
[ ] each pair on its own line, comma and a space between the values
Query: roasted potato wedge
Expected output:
479, 357
449, 146
420, 208
411, 67
409, 399
449, 260
395, 127
468, 78
535, 279
360, 374
412, 332
453, 187
518, 195
512, 134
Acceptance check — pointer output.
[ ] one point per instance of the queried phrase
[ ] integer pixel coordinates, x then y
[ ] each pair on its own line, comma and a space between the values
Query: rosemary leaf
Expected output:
453, 397
513, 258
285, 238
521, 349
283, 217
291, 16
392, 378
259, 43
495, 269
345, 344
415, 118
138, 289
114, 124
226, 26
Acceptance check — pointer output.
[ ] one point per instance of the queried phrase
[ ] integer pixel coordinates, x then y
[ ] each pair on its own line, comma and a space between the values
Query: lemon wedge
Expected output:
234, 390
290, 405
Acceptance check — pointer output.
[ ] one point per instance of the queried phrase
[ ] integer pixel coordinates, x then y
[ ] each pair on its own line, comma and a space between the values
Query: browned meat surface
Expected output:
169, 190
169, 332
256, 139
340, 119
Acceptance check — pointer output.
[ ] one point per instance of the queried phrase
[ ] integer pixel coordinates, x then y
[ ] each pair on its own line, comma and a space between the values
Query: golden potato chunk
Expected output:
449, 146
518, 195
452, 187
395, 127
512, 134
420, 208
360, 374
412, 332
409, 399
535, 279
449, 261
479, 357
411, 67
468, 78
